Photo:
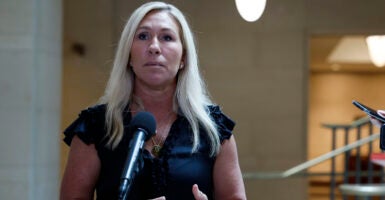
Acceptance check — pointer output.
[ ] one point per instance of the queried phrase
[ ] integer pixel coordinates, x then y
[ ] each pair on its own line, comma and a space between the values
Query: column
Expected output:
30, 88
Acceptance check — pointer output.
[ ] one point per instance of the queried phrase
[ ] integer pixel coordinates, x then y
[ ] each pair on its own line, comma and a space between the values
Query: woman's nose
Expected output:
154, 47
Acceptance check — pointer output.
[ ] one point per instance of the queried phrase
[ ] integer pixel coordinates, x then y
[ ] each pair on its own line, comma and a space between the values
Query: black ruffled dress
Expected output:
172, 174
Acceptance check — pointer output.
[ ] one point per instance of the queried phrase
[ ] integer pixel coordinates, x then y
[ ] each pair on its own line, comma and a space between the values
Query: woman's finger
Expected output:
198, 195
159, 198
381, 113
375, 122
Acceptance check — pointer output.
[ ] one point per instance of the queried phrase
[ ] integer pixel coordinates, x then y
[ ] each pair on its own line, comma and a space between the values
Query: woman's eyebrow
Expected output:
165, 29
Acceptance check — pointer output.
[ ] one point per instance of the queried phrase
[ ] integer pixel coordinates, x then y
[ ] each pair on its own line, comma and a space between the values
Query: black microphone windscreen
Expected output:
144, 120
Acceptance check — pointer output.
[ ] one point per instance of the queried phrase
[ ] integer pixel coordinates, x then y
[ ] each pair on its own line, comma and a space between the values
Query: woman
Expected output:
193, 153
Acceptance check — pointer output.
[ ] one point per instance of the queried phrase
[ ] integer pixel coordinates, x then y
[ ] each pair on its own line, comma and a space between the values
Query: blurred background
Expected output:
281, 78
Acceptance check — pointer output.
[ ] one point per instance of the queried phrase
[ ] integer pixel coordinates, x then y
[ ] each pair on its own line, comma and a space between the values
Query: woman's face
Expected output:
156, 53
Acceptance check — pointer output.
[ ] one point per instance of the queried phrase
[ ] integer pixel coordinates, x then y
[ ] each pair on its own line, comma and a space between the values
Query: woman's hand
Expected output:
377, 122
159, 198
198, 195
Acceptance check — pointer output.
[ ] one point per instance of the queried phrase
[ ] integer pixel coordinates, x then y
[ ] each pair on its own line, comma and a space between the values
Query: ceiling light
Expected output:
350, 50
376, 46
250, 10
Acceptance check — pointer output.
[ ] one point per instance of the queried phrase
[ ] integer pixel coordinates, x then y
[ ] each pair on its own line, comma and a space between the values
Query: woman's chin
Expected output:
158, 83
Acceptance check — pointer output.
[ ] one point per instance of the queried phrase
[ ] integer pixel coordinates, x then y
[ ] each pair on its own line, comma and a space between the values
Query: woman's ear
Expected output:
181, 65
129, 64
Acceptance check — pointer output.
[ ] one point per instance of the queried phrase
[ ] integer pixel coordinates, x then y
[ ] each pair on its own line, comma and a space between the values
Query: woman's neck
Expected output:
158, 102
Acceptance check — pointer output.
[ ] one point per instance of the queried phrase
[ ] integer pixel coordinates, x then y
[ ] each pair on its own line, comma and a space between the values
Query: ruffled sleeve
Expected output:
89, 126
224, 123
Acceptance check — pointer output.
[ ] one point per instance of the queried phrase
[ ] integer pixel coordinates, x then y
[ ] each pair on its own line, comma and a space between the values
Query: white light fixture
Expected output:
250, 10
350, 50
376, 46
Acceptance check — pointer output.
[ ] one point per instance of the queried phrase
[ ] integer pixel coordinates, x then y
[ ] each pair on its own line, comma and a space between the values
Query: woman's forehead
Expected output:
160, 19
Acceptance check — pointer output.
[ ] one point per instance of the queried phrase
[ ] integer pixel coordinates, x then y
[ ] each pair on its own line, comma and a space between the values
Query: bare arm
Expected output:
228, 182
81, 172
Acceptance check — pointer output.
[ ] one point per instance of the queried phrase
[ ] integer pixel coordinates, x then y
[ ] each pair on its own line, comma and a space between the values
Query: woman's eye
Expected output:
167, 38
143, 36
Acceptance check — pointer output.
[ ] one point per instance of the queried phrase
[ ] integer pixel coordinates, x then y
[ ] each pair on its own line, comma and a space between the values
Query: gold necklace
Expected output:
163, 131
156, 146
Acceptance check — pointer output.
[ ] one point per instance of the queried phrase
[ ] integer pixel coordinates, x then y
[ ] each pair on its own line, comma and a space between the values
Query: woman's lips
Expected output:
153, 64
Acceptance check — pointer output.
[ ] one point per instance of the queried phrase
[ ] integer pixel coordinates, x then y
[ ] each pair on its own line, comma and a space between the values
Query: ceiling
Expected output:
322, 58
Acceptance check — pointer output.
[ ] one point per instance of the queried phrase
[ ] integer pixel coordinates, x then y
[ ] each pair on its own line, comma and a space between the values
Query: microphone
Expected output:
143, 124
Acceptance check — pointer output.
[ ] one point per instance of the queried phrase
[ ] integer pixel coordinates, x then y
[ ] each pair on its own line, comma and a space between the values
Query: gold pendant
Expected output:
155, 149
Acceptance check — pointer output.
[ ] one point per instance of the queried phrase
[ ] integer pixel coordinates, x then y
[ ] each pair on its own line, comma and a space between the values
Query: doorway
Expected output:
340, 71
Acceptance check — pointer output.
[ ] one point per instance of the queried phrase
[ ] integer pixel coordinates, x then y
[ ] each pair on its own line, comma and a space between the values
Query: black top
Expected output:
172, 174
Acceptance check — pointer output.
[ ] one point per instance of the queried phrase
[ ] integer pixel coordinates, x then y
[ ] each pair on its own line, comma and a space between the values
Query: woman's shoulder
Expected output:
224, 123
218, 115
89, 125
96, 109
94, 114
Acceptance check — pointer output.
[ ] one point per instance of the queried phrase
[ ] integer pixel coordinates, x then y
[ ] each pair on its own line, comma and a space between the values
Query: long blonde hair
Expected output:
191, 95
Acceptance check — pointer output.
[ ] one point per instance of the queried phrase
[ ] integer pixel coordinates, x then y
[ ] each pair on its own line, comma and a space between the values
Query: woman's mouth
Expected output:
153, 64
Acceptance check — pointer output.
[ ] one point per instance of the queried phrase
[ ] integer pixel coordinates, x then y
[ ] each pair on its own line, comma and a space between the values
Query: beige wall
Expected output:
256, 71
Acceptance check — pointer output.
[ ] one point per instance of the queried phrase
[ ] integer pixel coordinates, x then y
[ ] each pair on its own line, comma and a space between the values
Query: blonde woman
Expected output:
193, 154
